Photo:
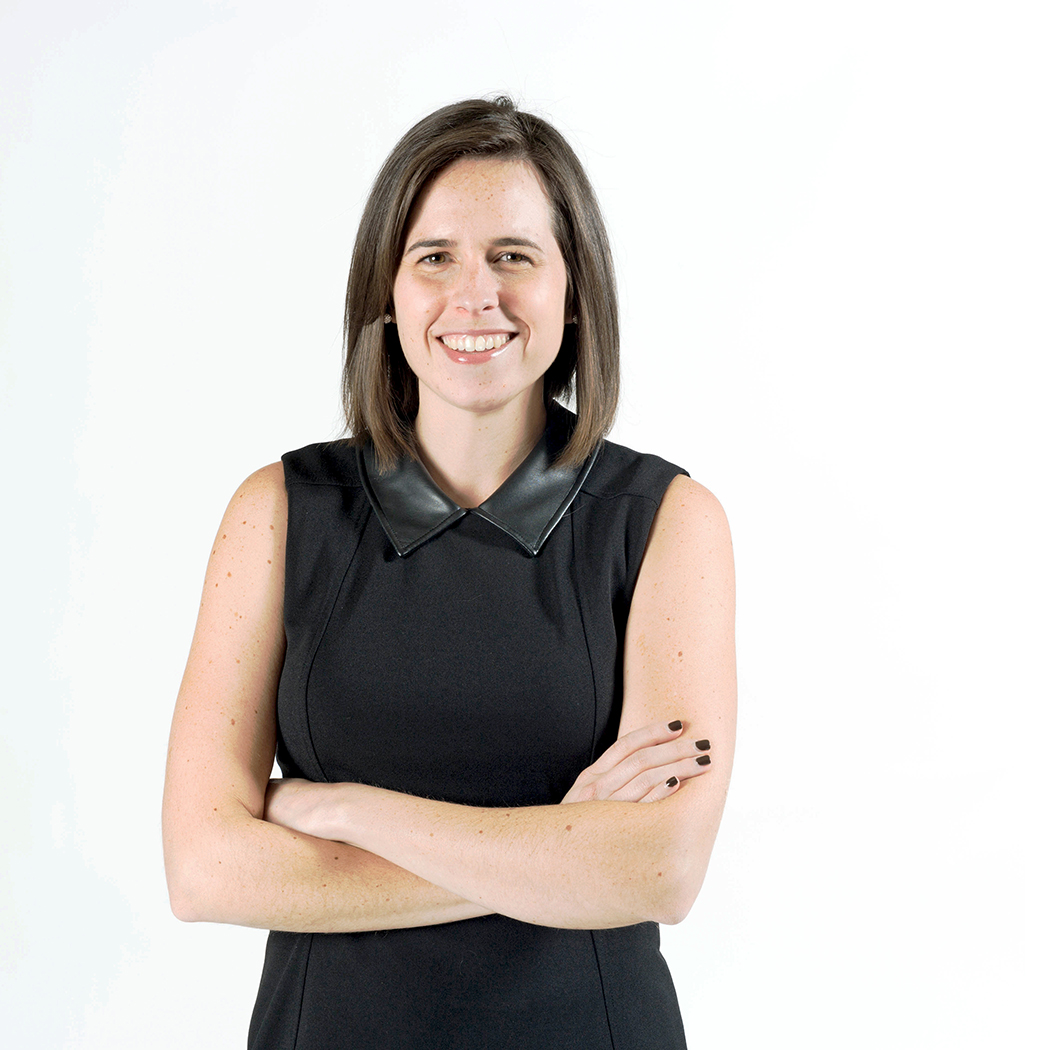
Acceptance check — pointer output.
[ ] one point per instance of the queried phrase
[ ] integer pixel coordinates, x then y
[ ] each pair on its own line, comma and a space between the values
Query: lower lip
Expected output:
476, 357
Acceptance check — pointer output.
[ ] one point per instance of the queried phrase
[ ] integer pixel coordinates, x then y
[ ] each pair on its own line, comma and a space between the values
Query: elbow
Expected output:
203, 900
678, 875
673, 899
184, 907
197, 881
200, 869
188, 903
675, 906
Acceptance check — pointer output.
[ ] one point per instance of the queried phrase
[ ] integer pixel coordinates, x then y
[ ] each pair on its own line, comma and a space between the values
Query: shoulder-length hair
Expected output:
380, 392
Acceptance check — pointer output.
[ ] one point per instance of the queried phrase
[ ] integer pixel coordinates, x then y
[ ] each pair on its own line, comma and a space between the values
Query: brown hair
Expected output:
380, 392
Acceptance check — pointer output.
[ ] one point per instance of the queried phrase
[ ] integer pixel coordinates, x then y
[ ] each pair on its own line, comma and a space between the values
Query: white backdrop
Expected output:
831, 228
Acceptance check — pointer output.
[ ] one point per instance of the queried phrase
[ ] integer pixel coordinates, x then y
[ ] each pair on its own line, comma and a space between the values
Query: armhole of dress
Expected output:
634, 564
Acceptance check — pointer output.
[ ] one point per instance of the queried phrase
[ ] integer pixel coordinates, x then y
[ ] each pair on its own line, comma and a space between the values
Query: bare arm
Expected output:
587, 864
224, 862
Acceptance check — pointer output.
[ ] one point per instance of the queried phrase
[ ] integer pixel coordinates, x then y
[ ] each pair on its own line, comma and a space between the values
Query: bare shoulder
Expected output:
262, 492
257, 515
690, 525
244, 581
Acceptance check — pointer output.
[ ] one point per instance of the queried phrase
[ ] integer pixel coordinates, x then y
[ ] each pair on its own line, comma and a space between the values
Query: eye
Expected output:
514, 258
434, 259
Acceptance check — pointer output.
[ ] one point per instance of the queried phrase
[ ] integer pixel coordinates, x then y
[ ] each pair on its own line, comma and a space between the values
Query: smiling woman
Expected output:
493, 651
480, 325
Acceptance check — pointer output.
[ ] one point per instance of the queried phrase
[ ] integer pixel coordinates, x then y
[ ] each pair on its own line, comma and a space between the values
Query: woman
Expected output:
478, 637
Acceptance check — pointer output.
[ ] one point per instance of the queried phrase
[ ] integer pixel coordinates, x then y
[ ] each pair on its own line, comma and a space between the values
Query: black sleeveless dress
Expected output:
475, 657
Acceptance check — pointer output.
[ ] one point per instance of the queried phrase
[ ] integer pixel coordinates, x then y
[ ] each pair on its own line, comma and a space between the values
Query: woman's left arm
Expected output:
588, 864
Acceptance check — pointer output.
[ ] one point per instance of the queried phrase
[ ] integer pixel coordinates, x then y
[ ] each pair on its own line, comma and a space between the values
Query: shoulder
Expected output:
687, 505
621, 471
324, 463
261, 492
257, 515
690, 540
266, 482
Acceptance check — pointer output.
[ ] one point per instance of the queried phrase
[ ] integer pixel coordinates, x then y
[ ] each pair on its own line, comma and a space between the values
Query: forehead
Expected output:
482, 192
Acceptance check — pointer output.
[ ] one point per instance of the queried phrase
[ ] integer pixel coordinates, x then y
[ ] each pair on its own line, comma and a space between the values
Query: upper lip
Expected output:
476, 332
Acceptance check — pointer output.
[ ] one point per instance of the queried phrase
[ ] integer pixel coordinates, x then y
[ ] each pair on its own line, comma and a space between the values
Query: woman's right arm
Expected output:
224, 862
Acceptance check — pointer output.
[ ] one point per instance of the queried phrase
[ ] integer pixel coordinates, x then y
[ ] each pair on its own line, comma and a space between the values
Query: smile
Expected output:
471, 344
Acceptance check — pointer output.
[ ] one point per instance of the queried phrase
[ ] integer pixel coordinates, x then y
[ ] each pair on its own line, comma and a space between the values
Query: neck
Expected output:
470, 454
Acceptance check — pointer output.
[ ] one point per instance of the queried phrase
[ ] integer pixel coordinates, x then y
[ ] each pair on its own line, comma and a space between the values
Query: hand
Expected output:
643, 766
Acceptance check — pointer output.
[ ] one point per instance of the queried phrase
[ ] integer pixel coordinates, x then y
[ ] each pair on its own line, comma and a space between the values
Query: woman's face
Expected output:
479, 295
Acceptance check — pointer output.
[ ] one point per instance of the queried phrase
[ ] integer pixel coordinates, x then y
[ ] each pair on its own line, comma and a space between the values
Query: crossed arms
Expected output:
343, 857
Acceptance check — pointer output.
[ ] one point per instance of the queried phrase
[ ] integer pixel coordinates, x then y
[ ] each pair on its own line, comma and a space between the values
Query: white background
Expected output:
831, 230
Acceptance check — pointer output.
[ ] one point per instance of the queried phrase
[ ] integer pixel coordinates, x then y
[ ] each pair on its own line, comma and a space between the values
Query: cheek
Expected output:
415, 306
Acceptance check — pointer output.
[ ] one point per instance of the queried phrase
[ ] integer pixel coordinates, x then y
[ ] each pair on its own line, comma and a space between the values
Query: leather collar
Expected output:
527, 506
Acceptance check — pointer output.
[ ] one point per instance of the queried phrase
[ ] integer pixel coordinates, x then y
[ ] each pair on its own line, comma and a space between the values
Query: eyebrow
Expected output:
500, 242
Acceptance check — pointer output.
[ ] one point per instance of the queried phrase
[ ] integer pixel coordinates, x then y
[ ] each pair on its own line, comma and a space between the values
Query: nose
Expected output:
477, 288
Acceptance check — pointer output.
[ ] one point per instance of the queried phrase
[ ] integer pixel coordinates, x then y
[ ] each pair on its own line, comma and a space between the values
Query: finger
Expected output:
629, 743
662, 790
645, 762
657, 779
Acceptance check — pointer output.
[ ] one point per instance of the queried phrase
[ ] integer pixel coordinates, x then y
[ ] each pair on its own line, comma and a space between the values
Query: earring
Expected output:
387, 319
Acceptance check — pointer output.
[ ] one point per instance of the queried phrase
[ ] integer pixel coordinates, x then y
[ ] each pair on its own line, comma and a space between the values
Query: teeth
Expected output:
472, 344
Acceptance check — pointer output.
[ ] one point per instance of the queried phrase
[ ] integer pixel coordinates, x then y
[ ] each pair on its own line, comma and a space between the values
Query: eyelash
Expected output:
435, 258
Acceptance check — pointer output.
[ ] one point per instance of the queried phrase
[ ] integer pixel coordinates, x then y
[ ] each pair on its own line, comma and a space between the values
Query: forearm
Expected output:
246, 871
584, 865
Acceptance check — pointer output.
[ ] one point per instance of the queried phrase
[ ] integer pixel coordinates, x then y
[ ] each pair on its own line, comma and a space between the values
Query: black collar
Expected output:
527, 506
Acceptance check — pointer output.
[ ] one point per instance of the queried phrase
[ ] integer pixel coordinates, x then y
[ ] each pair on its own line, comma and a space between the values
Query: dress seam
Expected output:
601, 983
302, 993
587, 642
313, 656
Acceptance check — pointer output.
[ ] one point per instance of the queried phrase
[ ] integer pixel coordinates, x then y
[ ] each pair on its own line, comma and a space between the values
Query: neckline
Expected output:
528, 506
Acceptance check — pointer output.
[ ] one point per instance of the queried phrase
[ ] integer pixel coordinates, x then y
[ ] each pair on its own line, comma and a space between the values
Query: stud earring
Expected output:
387, 319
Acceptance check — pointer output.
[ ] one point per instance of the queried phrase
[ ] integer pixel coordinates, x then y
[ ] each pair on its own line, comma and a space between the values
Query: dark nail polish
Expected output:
674, 726
672, 781
703, 745
704, 760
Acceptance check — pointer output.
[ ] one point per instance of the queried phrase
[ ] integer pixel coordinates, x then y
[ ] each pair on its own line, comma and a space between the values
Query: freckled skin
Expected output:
478, 284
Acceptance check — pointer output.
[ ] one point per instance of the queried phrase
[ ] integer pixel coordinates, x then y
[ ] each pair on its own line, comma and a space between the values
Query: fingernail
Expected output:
674, 726
703, 745
672, 781
704, 760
